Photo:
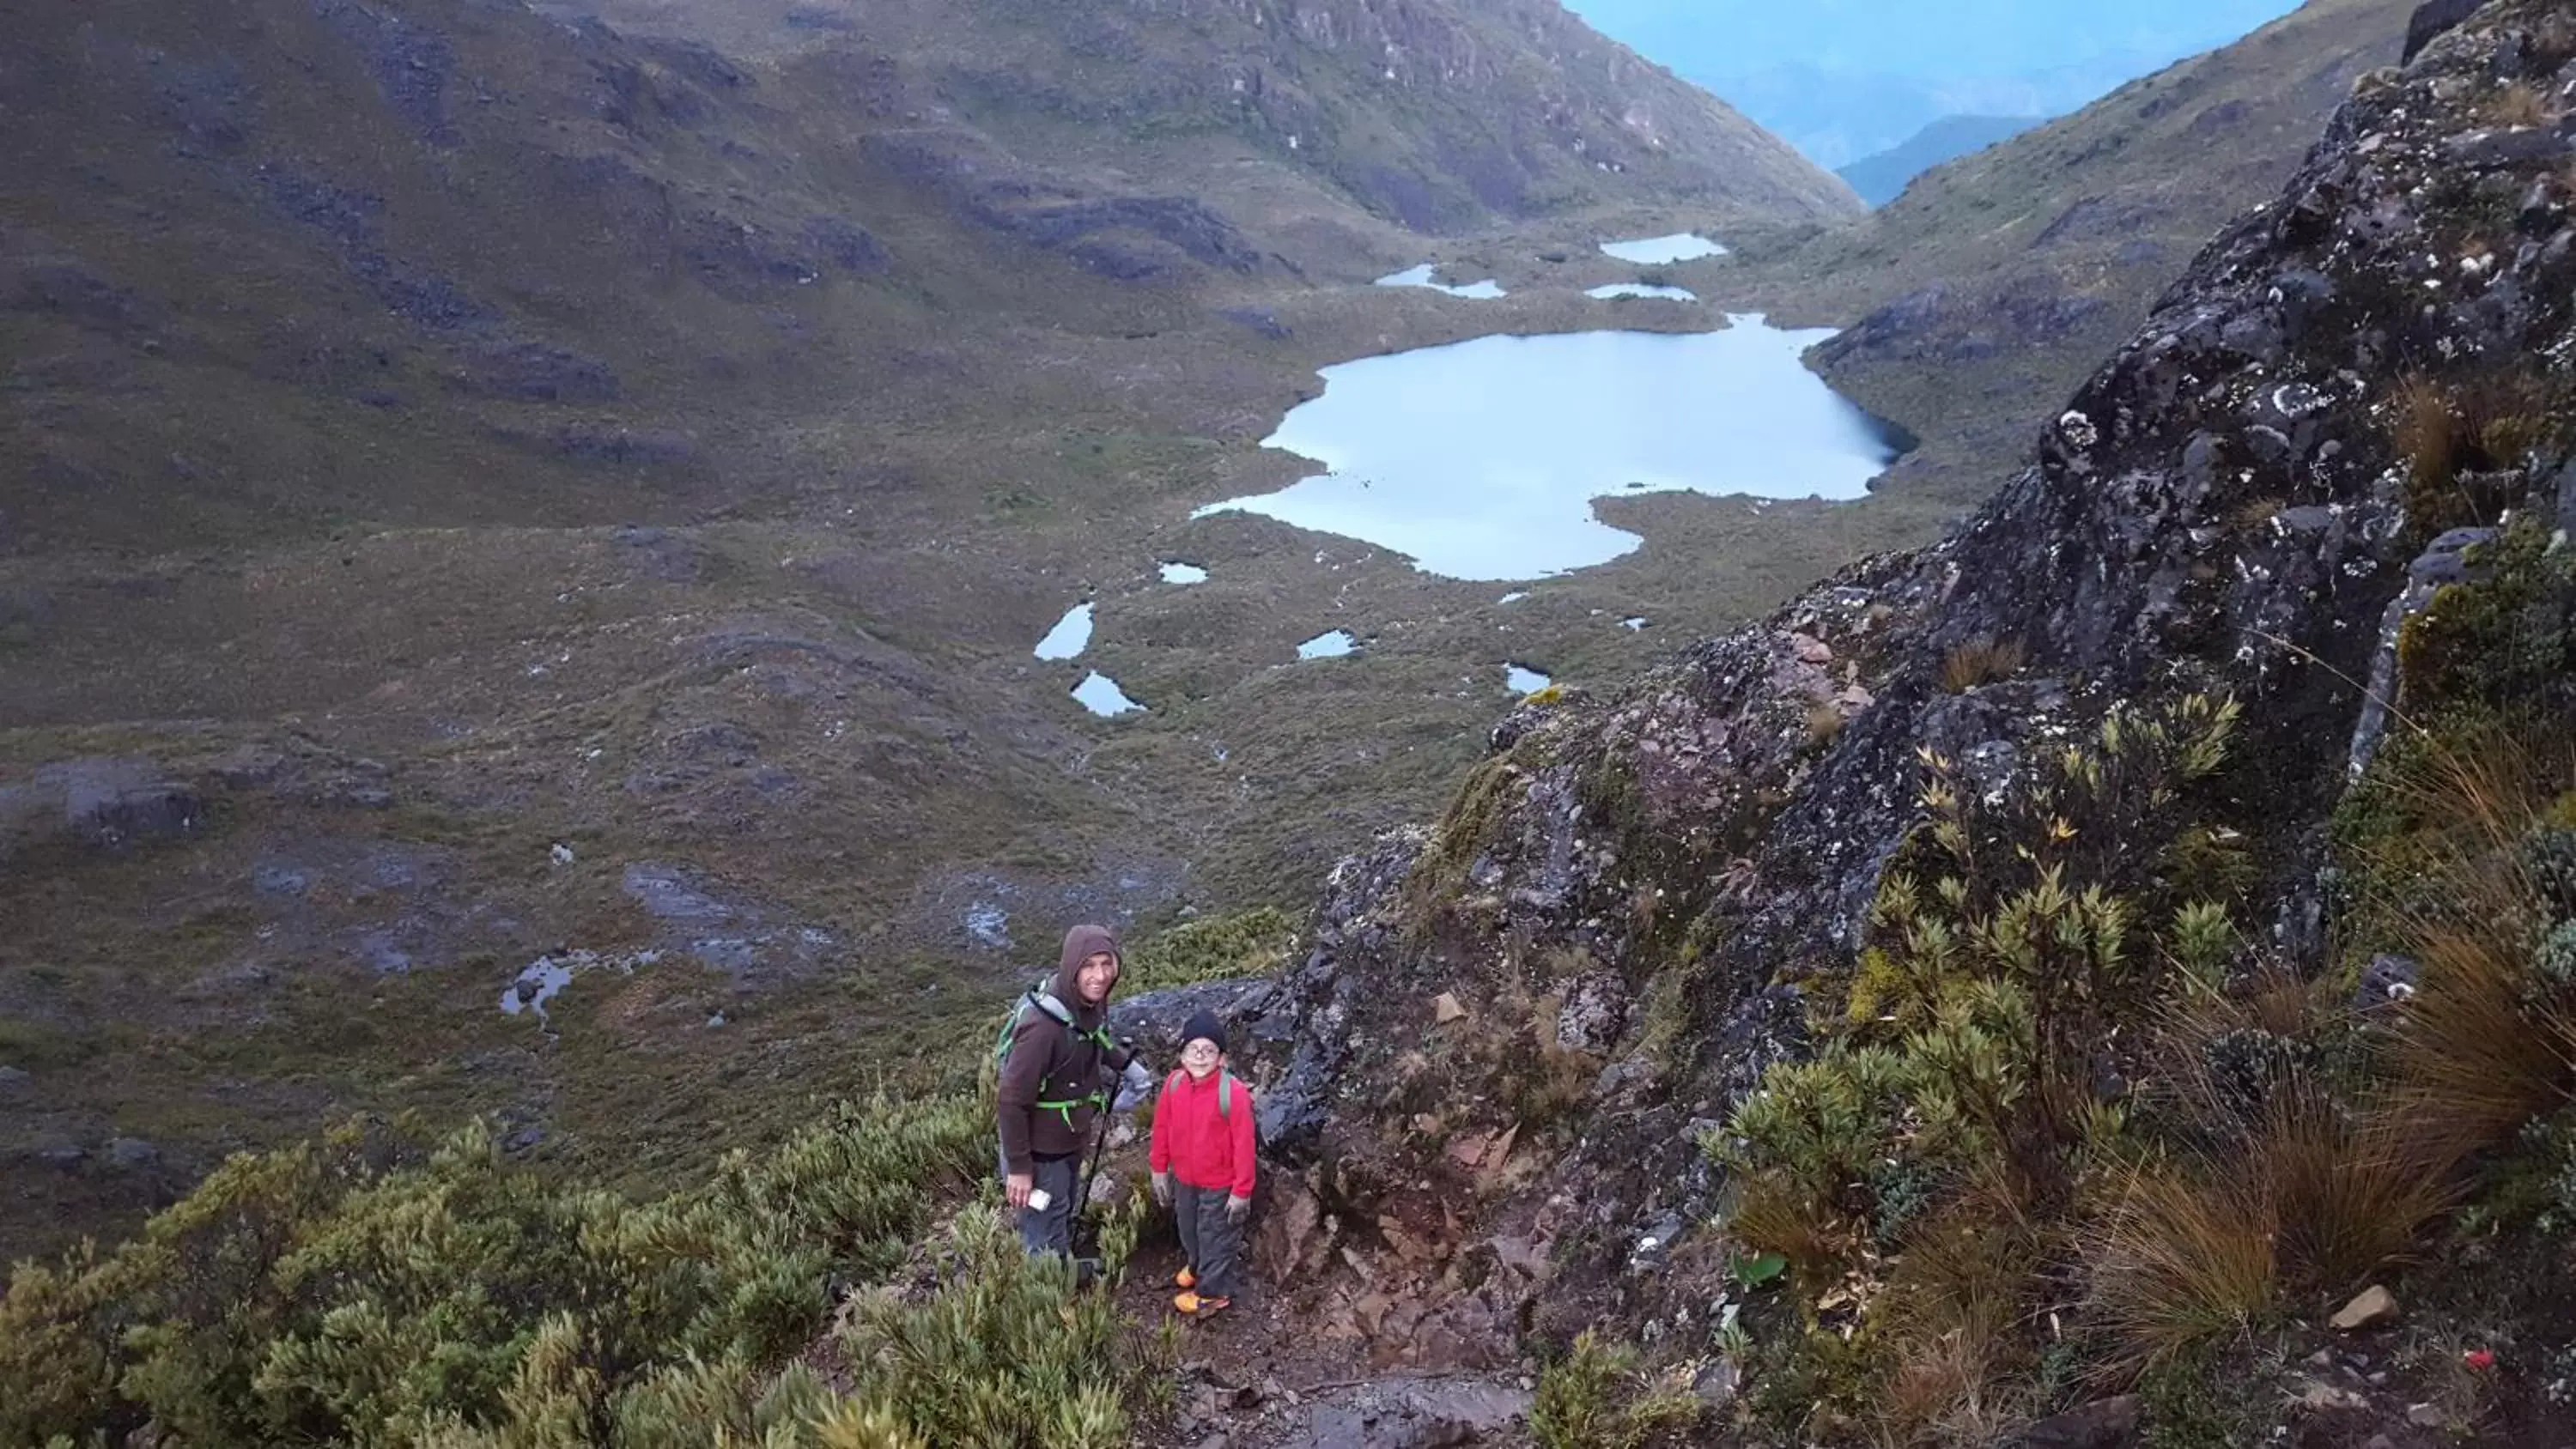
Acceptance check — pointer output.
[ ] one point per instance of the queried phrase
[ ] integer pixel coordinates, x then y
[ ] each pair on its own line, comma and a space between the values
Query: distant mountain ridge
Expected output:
1881, 178
1438, 114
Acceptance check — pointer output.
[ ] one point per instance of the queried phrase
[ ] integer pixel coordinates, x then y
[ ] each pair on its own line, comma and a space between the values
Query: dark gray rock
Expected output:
1399, 1413
2386, 980
12, 1078
2106, 1424
1263, 322
661, 554
2516, 150
536, 372
626, 447
412, 65
1154, 1019
132, 1154
2446, 559
2433, 19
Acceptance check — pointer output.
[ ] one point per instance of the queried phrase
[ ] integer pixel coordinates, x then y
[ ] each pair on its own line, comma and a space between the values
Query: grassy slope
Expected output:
759, 612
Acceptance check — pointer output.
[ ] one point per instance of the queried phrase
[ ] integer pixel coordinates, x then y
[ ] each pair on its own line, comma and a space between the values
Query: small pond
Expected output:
1334, 645
1484, 291
1616, 290
1181, 573
1525, 680
1070, 636
1101, 695
1657, 251
1481, 459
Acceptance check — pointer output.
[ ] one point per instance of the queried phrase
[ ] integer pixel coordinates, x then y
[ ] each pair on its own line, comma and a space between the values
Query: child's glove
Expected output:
1237, 1208
1163, 1188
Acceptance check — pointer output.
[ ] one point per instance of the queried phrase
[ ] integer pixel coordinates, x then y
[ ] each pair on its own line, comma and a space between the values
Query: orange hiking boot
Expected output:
1197, 1307
1185, 1278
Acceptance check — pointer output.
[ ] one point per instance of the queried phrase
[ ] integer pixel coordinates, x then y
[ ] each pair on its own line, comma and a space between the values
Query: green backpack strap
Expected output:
1224, 1090
1041, 999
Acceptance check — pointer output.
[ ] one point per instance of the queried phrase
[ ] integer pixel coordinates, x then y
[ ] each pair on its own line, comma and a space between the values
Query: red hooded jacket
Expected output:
1194, 1143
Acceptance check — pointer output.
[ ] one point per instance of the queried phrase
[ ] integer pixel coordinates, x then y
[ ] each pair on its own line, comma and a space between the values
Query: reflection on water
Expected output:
1070, 636
1639, 289
1480, 460
1420, 276
1328, 646
1657, 251
1101, 695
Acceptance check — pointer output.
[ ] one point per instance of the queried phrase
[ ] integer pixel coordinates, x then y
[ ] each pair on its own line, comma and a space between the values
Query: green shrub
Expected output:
1005, 1351
1248, 943
1596, 1397
356, 1289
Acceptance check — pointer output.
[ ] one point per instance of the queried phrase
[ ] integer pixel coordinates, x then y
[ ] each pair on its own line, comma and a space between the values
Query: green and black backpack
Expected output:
1041, 998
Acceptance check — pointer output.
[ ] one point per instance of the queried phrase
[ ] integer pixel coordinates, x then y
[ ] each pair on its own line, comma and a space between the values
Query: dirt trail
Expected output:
1259, 1376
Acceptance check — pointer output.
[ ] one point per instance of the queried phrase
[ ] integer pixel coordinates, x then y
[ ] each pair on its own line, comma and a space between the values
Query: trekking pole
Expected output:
1099, 1143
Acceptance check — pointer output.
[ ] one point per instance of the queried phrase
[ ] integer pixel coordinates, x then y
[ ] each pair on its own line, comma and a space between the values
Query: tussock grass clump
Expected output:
2453, 431
1979, 661
1597, 1397
2515, 106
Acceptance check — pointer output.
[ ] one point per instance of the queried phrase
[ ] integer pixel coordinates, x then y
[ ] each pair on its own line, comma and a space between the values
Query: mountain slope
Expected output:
1882, 177
1437, 114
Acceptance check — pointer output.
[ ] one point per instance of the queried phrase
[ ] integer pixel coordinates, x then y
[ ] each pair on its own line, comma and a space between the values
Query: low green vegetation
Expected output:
1245, 943
375, 1287
1598, 1396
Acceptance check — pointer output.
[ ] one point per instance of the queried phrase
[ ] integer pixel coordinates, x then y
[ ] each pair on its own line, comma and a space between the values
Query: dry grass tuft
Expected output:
1958, 1308
2484, 1044
2428, 431
1979, 661
1824, 723
2517, 106
2480, 424
2179, 1262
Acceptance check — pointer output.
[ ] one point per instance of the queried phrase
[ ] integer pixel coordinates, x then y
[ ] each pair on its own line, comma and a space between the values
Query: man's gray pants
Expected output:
1050, 1230
1213, 1241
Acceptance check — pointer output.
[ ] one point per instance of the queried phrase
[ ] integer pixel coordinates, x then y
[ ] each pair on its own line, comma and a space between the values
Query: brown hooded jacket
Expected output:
1047, 1063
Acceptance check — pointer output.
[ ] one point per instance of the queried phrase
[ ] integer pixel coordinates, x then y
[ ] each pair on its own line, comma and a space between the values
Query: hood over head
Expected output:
1079, 944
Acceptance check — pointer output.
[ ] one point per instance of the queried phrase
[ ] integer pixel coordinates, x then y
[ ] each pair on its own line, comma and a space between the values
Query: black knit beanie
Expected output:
1203, 1023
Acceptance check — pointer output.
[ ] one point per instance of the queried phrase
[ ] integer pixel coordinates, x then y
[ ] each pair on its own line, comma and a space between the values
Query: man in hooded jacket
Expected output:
1055, 1079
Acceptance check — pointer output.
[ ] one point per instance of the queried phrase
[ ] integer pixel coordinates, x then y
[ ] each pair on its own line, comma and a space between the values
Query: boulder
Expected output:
2370, 1308
2103, 1424
2431, 20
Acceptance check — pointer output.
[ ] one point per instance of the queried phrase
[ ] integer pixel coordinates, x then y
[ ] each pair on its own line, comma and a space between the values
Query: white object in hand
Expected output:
1038, 1199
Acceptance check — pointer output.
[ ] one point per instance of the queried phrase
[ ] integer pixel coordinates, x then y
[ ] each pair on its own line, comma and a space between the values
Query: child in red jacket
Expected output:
1203, 1135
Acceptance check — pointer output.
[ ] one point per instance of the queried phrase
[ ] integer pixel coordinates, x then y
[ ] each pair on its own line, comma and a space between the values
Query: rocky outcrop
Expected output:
1601, 947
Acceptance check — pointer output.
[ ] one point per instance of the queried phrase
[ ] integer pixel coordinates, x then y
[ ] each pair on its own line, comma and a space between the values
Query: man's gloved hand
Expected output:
1237, 1209
1163, 1188
1135, 1080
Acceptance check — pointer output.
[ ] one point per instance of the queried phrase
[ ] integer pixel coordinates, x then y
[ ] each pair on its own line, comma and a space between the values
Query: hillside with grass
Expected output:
2101, 979
494, 503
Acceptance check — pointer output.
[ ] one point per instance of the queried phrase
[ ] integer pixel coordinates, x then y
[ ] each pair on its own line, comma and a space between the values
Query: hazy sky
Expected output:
1843, 79
1928, 38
